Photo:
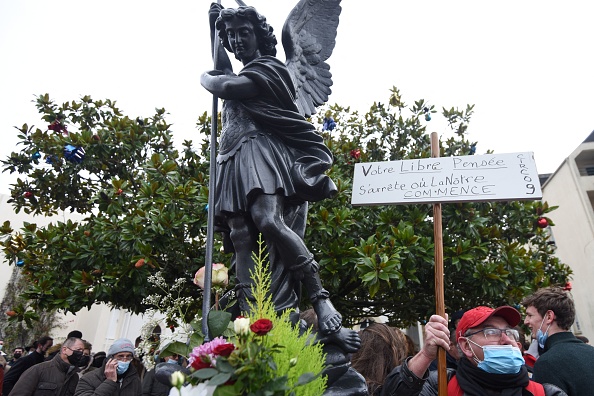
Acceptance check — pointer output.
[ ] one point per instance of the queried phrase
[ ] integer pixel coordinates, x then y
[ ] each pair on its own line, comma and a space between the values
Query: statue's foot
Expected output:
329, 319
347, 339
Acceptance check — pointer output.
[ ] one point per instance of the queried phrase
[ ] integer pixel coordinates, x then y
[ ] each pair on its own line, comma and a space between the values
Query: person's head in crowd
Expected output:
71, 351
583, 339
85, 361
171, 359
523, 343
488, 339
122, 350
98, 359
549, 310
454, 350
382, 349
43, 344
75, 334
455, 318
17, 352
1, 345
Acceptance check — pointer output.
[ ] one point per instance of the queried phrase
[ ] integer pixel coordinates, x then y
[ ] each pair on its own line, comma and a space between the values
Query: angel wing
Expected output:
308, 38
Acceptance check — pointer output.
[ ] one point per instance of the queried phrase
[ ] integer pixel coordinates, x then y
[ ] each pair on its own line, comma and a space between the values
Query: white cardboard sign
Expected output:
490, 177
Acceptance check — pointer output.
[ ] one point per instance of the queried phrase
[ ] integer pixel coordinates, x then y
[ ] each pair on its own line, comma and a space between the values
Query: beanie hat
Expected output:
121, 345
474, 317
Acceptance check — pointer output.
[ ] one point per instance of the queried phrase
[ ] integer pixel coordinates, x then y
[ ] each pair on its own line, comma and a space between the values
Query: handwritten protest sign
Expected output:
490, 177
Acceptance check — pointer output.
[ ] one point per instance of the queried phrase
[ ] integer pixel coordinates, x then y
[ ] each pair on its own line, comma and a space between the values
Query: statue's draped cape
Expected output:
268, 146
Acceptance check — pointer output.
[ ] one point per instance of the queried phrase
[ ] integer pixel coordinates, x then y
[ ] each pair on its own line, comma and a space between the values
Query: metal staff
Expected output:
214, 126
211, 191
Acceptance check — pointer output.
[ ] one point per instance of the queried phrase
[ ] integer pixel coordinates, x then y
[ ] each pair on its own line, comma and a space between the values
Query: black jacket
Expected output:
152, 387
52, 378
20, 366
566, 362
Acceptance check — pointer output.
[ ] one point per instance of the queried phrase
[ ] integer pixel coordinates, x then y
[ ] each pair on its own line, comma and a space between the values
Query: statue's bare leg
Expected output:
329, 319
243, 235
267, 214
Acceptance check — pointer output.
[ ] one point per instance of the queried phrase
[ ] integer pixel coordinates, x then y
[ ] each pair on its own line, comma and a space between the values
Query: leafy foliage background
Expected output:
144, 204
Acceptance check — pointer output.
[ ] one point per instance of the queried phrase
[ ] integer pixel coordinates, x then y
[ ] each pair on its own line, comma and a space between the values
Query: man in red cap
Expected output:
490, 363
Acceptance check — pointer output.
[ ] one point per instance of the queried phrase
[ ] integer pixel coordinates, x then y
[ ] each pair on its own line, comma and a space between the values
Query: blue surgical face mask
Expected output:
172, 361
122, 367
540, 336
500, 359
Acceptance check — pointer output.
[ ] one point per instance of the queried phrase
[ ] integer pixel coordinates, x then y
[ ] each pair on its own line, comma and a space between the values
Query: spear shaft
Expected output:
214, 125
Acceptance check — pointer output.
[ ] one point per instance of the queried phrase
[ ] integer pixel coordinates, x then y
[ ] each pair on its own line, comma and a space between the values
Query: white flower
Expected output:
177, 379
202, 389
220, 276
241, 326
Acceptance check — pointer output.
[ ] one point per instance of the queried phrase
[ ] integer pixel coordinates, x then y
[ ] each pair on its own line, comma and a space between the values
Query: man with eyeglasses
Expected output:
563, 359
490, 363
117, 377
56, 377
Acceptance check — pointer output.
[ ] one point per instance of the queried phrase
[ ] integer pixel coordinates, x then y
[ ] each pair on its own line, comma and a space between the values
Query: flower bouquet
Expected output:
260, 354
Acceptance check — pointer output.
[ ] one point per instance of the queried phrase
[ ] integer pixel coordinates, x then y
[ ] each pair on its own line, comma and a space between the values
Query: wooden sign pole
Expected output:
442, 381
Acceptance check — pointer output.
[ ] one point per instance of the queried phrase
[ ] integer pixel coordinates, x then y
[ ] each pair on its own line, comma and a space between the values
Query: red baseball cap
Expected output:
474, 317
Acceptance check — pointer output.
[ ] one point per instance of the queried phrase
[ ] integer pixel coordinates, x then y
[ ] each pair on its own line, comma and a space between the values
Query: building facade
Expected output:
571, 187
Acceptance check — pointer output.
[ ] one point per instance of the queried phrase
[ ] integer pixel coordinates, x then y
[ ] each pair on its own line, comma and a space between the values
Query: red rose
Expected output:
261, 326
198, 364
224, 349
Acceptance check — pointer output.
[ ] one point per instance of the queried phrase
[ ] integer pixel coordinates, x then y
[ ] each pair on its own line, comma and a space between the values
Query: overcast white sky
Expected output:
526, 65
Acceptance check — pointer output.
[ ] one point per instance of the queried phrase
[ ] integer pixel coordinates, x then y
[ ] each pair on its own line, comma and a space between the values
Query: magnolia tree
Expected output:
145, 206
380, 260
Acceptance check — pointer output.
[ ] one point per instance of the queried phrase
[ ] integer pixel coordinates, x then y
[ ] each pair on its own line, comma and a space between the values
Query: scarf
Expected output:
473, 380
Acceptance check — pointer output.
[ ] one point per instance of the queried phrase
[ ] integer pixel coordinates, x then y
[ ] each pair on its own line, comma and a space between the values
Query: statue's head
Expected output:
264, 32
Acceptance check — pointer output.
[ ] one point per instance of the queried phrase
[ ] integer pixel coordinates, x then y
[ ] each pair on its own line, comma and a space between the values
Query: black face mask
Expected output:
84, 361
17, 355
75, 358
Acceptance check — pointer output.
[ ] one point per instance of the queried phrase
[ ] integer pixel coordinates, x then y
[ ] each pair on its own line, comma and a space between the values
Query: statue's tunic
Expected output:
267, 146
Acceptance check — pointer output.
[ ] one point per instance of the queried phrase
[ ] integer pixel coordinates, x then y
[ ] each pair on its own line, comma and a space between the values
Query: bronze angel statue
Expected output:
271, 161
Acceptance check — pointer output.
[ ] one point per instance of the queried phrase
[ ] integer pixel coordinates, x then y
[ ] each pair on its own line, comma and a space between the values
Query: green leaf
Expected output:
219, 379
204, 373
217, 322
175, 348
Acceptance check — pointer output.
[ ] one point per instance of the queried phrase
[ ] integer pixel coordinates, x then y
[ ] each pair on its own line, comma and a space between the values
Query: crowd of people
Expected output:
71, 368
487, 354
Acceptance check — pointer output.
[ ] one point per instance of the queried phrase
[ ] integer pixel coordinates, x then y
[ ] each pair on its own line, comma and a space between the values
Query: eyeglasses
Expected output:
494, 334
123, 358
